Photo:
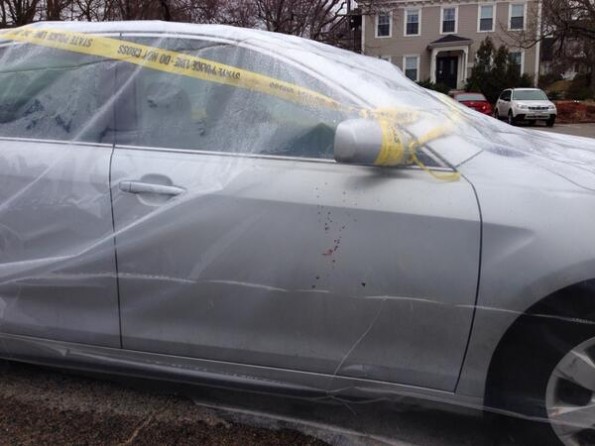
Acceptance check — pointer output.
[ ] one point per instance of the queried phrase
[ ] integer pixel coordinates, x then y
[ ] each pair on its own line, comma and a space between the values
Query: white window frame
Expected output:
387, 58
522, 58
494, 7
405, 16
510, 5
390, 25
456, 8
416, 67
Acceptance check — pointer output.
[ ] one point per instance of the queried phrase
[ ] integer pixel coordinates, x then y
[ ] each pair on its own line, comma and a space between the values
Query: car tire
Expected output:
496, 114
534, 377
511, 119
550, 122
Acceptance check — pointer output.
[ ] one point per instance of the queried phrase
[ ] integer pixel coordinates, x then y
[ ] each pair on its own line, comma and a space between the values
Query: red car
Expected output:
476, 101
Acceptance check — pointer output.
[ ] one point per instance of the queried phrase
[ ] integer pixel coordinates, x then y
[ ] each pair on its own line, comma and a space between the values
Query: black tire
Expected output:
525, 360
511, 119
550, 122
496, 115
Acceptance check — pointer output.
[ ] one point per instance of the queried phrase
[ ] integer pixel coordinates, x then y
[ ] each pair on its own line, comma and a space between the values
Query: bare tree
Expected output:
54, 9
569, 28
306, 18
322, 20
19, 12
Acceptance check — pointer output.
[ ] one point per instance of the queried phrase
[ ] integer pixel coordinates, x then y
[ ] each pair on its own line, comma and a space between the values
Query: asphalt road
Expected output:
586, 130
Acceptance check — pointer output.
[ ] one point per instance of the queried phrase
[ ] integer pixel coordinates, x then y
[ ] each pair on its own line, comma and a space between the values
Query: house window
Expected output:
383, 24
412, 20
486, 18
517, 16
387, 58
449, 20
411, 67
516, 57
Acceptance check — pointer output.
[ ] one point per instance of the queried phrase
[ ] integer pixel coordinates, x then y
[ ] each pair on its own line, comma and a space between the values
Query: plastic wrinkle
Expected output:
360, 339
532, 315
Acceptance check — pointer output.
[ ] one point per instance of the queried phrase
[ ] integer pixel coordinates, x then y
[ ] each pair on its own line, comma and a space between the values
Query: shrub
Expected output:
442, 88
545, 80
579, 88
494, 70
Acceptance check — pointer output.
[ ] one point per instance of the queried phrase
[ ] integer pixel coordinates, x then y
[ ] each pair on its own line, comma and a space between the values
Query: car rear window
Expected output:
470, 97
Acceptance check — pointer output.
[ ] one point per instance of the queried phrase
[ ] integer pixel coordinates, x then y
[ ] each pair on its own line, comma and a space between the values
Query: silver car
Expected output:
525, 104
214, 204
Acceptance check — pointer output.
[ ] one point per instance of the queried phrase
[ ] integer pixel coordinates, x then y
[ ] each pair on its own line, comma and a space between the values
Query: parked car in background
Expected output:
476, 101
231, 206
525, 104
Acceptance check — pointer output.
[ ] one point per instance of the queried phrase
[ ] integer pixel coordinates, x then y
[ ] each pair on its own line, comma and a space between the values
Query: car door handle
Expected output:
139, 187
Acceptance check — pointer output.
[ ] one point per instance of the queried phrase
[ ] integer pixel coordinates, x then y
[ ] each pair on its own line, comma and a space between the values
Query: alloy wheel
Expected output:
570, 396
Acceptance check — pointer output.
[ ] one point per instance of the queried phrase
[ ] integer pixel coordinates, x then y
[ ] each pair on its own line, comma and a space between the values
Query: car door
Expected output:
239, 239
57, 264
504, 103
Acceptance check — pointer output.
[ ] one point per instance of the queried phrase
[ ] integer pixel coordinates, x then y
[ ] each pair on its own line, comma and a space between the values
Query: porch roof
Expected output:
449, 41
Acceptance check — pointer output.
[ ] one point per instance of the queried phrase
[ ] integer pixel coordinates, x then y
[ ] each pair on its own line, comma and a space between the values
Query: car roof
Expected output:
327, 61
227, 32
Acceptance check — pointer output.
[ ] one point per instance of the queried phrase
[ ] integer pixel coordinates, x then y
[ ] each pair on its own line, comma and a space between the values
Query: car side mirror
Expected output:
369, 142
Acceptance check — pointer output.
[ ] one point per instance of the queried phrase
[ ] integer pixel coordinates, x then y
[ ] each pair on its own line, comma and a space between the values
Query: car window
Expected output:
530, 95
52, 94
470, 97
178, 111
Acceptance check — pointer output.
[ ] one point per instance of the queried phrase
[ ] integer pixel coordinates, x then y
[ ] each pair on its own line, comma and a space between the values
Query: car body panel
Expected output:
56, 231
505, 180
301, 267
479, 106
475, 101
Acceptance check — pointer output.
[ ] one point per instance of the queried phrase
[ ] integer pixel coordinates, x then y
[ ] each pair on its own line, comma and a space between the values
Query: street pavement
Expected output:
586, 130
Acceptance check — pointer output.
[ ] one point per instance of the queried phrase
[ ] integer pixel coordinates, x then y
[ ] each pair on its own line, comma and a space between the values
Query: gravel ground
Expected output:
43, 407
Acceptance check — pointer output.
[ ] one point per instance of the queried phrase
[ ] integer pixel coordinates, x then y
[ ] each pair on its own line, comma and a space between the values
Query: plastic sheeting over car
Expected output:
170, 205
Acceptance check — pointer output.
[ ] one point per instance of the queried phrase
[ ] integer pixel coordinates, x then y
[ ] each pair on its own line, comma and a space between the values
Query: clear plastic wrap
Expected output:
211, 203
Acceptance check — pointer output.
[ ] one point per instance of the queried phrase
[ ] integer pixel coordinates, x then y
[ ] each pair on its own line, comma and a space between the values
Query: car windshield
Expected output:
470, 97
529, 95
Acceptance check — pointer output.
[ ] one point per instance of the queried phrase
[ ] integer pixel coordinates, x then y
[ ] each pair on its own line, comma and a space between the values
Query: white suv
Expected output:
525, 104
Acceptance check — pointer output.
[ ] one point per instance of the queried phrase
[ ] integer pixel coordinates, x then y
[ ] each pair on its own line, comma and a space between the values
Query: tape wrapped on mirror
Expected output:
370, 142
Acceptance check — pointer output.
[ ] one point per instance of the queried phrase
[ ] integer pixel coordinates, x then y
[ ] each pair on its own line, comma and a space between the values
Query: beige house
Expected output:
437, 39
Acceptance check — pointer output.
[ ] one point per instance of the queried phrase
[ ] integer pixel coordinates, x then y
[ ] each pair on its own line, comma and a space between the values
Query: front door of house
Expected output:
446, 71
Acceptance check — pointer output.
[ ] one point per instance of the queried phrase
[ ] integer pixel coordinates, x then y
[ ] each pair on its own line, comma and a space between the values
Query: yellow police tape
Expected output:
393, 151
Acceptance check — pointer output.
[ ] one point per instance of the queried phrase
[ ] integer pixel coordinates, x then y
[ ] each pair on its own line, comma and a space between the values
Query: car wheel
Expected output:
570, 396
496, 115
543, 376
550, 122
511, 119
